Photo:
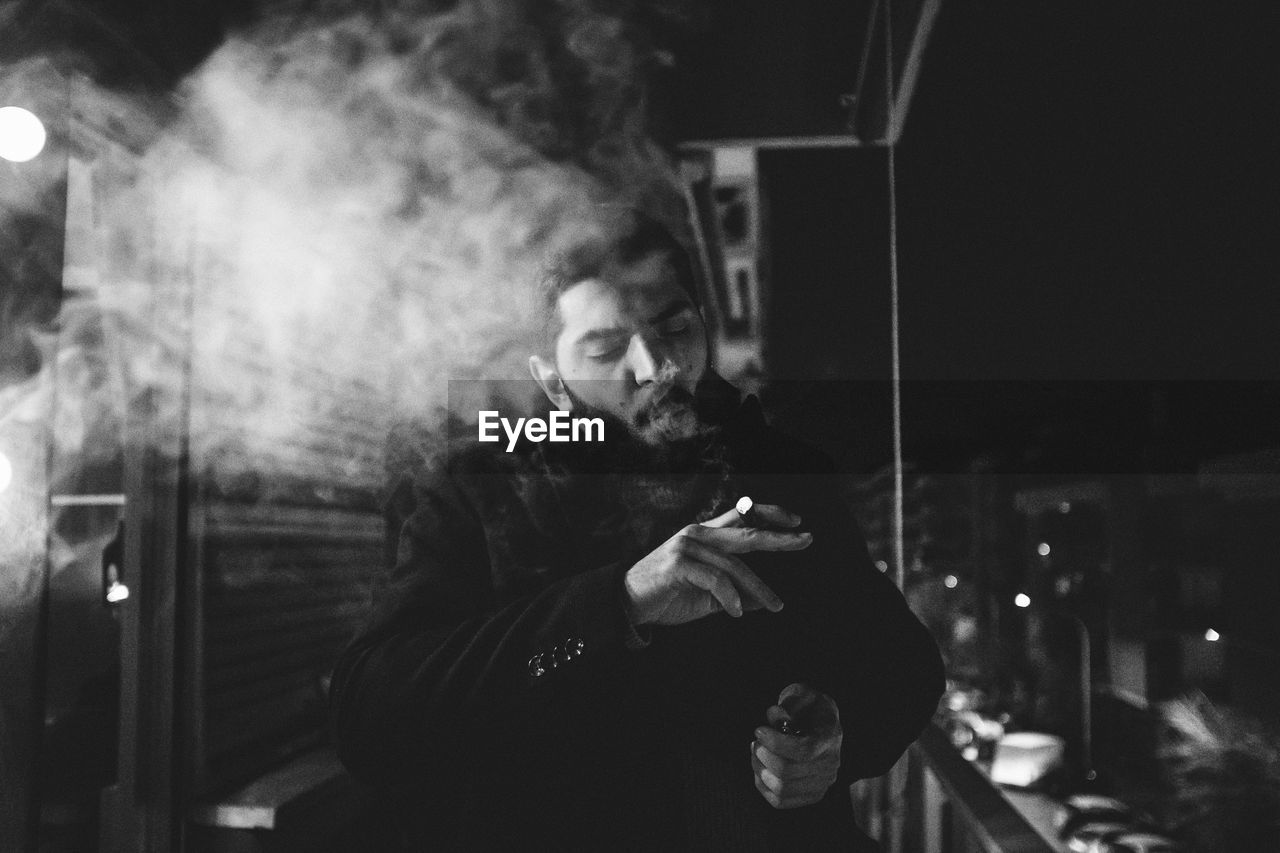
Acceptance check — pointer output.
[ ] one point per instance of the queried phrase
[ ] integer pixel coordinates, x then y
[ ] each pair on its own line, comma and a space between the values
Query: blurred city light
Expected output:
1022, 600
950, 581
1043, 549
1212, 635
22, 136
6, 472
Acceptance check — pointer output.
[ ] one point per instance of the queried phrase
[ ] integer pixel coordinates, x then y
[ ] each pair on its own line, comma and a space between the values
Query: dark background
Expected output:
1087, 206
1084, 192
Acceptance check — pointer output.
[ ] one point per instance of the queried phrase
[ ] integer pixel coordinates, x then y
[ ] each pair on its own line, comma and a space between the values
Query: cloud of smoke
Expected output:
331, 217
336, 215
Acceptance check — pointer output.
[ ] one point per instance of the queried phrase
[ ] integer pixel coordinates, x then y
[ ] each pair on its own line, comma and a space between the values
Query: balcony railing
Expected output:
948, 806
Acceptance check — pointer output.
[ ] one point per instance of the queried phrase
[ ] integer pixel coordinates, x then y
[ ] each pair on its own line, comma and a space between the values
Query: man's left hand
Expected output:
796, 770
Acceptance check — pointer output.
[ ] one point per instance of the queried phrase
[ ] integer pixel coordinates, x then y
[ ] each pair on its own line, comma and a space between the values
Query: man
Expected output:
587, 646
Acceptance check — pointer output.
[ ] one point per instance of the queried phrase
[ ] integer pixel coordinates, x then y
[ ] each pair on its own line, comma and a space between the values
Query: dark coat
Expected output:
501, 699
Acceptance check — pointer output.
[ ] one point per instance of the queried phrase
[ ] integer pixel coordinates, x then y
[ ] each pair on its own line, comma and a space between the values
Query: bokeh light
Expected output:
22, 135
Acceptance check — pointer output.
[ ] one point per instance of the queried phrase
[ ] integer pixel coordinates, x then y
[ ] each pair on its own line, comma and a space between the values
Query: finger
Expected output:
784, 802
811, 789
790, 747
819, 711
797, 693
747, 581
777, 714
798, 747
708, 579
781, 720
770, 515
767, 777
744, 540
786, 770
770, 797
732, 518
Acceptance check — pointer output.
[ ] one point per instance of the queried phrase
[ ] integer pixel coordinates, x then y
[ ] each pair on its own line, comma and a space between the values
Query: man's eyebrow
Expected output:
677, 306
600, 335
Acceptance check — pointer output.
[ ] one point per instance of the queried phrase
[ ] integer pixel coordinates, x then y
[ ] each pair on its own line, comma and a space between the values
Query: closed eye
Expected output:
609, 354
675, 326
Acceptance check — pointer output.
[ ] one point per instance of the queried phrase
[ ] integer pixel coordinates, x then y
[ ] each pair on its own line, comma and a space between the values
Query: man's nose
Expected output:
647, 359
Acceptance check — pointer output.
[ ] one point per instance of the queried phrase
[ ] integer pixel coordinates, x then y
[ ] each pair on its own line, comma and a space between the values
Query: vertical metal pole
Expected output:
1086, 697
142, 812
932, 802
897, 775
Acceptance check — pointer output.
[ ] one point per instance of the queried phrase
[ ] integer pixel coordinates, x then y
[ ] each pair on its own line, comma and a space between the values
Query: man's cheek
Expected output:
695, 363
596, 393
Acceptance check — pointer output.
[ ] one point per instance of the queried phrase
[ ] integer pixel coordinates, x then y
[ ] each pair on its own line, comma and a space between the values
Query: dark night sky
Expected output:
1087, 201
1088, 191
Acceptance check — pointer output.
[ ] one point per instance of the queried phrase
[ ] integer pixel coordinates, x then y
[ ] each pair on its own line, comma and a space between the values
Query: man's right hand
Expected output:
695, 573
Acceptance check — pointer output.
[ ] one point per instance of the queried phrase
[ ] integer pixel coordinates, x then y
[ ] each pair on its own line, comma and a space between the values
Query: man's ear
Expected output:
548, 379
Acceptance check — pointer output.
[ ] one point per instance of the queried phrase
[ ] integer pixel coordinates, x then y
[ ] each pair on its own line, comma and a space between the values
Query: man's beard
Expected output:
667, 416
668, 454
665, 424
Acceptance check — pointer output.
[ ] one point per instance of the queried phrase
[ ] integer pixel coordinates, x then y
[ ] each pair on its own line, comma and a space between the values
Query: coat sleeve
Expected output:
448, 661
864, 646
900, 674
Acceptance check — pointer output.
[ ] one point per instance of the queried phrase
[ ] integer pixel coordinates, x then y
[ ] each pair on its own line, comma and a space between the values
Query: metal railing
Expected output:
948, 806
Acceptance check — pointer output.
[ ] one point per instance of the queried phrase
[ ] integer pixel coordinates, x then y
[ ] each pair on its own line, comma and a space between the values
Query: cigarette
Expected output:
746, 508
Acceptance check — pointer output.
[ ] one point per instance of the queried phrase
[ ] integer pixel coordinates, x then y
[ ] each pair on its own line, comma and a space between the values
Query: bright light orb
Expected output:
6, 472
1043, 549
1022, 600
1212, 635
950, 581
22, 136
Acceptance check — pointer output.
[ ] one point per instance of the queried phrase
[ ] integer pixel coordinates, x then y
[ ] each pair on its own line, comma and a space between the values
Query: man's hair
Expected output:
627, 235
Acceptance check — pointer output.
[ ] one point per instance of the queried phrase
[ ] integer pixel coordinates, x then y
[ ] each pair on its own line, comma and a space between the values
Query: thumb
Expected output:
797, 697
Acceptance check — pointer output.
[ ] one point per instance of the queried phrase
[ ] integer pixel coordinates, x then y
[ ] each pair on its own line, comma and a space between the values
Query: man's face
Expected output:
633, 345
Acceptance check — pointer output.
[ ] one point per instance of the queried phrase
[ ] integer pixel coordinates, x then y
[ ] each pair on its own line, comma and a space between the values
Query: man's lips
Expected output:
657, 403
